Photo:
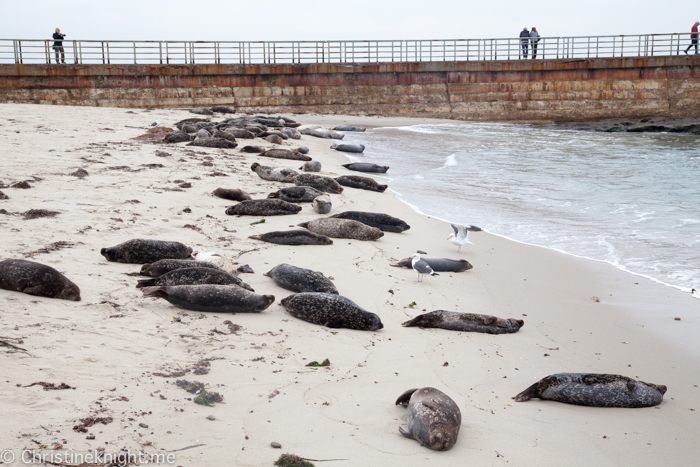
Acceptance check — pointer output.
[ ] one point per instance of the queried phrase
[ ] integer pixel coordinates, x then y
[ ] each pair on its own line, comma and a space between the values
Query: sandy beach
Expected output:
580, 316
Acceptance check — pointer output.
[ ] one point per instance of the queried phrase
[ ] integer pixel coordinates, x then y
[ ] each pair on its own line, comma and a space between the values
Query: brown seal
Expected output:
234, 194
36, 279
363, 183
433, 418
285, 154
342, 228
467, 322
274, 174
321, 183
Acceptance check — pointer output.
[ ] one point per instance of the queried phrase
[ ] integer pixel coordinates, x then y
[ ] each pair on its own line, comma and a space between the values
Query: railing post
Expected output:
134, 44
19, 50
47, 51
652, 46
160, 52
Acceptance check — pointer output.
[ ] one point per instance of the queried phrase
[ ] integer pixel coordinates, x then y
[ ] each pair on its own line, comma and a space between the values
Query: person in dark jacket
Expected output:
534, 38
693, 38
524, 41
58, 45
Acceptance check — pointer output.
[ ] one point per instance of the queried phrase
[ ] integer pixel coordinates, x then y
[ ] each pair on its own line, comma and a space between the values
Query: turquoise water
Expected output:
632, 200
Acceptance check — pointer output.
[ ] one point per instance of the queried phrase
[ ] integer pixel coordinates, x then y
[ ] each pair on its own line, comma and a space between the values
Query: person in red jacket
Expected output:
693, 37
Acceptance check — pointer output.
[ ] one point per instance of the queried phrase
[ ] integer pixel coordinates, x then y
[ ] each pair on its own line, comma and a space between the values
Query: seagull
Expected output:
461, 235
421, 267
156, 123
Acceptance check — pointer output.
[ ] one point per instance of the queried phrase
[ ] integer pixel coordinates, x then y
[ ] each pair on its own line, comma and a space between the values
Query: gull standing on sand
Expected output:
156, 123
421, 267
461, 235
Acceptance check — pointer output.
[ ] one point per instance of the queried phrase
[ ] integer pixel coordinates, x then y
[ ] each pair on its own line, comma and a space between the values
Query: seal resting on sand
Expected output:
438, 264
194, 276
467, 322
331, 310
214, 298
274, 174
300, 280
38, 279
433, 418
383, 222
311, 166
595, 390
293, 237
363, 183
141, 251
322, 204
354, 148
348, 128
234, 194
263, 207
252, 149
366, 167
213, 143
285, 154
164, 266
342, 228
321, 183
177, 137
296, 194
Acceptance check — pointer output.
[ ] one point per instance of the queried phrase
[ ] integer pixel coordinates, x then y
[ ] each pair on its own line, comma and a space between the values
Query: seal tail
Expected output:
413, 322
304, 225
256, 237
529, 393
155, 292
145, 283
405, 397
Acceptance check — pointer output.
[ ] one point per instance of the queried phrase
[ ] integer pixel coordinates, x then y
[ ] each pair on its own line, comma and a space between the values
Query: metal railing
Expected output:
40, 51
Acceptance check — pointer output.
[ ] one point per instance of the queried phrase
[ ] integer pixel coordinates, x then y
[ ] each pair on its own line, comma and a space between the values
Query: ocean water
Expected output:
629, 199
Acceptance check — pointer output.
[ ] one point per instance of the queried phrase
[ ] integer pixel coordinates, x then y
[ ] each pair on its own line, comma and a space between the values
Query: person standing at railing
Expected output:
524, 42
534, 38
693, 38
58, 45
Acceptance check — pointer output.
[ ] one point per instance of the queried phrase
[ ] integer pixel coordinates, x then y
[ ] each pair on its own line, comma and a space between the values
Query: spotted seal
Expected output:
293, 237
595, 390
311, 166
234, 194
348, 128
433, 418
330, 310
214, 298
354, 148
177, 137
164, 266
438, 264
366, 167
296, 194
274, 174
38, 279
321, 133
321, 183
467, 322
342, 228
362, 183
383, 222
194, 276
213, 143
225, 135
252, 149
322, 204
263, 207
300, 280
285, 154
141, 251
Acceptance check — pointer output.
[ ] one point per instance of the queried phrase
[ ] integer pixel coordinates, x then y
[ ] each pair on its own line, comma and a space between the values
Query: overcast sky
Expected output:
231, 20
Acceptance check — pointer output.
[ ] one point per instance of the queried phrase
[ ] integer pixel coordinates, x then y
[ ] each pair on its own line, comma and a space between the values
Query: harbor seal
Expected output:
274, 139
330, 310
194, 276
348, 128
296, 194
300, 280
322, 204
225, 135
239, 132
438, 264
363, 183
595, 390
433, 418
354, 148
274, 174
201, 111
164, 266
292, 133
234, 194
252, 149
383, 222
213, 143
321, 133
214, 298
311, 166
141, 251
293, 237
366, 167
467, 322
321, 183
38, 279
177, 137
285, 154
342, 228
222, 109
263, 207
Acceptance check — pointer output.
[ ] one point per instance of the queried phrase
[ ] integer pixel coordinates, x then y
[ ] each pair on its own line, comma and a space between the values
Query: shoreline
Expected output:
345, 411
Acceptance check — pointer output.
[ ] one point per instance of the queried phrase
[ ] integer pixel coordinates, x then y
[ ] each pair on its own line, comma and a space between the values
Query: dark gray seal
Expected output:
366, 167
433, 418
194, 276
222, 109
354, 148
595, 390
363, 183
300, 280
201, 111
38, 279
331, 310
177, 137
285, 154
383, 222
213, 143
438, 264
214, 298
225, 135
164, 266
234, 194
274, 174
293, 237
311, 166
321, 183
263, 207
141, 251
348, 128
342, 228
296, 194
252, 149
467, 322
239, 133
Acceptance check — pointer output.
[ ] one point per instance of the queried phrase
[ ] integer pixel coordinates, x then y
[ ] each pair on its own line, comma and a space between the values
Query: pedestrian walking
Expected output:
693, 37
534, 38
58, 45
524, 41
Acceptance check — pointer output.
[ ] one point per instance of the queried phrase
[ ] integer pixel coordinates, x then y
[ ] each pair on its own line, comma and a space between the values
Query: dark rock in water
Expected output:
233, 194
23, 185
366, 167
142, 251
194, 276
438, 264
177, 137
202, 111
222, 109
253, 149
296, 194
300, 280
3, 195
263, 207
465, 322
293, 237
347, 128
213, 143
383, 222
37, 213
164, 266
363, 183
36, 279
81, 173
319, 182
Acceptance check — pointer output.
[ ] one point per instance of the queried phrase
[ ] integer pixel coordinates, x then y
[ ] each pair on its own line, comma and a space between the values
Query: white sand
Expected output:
109, 345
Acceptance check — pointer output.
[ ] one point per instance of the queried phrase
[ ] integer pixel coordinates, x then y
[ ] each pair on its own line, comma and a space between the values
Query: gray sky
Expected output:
232, 20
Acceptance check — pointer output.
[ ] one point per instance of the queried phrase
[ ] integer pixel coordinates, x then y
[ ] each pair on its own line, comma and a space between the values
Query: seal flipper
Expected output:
146, 283
334, 323
405, 397
304, 225
405, 433
529, 393
413, 322
155, 292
